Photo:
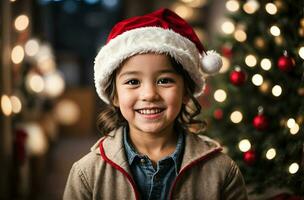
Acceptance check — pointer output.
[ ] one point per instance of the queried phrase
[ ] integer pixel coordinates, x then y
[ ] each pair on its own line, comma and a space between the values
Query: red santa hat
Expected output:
163, 32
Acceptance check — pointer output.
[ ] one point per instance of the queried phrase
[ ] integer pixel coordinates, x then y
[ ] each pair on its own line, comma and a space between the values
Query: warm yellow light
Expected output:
6, 105
244, 145
291, 122
271, 153
251, 6
301, 52
236, 117
275, 30
228, 27
34, 82
67, 112
195, 3
54, 84
276, 90
16, 104
266, 64
271, 8
17, 55
21, 22
32, 47
257, 79
250, 60
220, 95
184, 11
265, 86
293, 168
225, 66
294, 129
232, 5
240, 35
36, 141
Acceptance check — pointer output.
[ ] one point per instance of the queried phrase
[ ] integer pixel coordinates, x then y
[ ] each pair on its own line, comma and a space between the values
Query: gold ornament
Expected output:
301, 91
301, 31
265, 87
278, 40
302, 22
259, 42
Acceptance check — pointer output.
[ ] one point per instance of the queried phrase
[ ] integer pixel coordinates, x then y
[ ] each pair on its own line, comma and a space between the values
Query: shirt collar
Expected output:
176, 155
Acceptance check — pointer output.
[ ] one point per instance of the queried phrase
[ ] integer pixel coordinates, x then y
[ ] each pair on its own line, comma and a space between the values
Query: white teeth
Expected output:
149, 111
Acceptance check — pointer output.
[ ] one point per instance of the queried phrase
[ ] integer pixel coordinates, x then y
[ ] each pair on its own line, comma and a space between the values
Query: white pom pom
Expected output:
212, 62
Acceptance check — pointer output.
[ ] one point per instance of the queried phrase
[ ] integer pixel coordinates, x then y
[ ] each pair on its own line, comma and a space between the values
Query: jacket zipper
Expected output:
193, 163
130, 179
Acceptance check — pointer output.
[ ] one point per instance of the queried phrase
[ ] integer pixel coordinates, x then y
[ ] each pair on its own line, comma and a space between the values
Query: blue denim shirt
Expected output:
154, 183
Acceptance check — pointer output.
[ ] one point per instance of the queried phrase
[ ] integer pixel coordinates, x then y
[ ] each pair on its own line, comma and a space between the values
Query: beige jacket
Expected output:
205, 173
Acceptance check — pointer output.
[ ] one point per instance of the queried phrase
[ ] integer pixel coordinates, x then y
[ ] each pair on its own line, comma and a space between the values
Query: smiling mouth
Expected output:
152, 111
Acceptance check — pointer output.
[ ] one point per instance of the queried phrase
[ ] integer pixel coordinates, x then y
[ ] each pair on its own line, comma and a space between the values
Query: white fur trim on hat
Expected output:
144, 40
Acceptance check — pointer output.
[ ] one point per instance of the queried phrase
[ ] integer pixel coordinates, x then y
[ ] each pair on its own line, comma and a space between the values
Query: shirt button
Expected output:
142, 161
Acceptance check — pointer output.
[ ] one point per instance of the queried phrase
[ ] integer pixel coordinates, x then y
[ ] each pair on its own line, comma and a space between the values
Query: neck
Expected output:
154, 145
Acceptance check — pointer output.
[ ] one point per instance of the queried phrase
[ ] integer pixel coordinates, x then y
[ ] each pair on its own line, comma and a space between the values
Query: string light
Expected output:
31, 47
244, 145
294, 129
251, 6
67, 112
293, 168
291, 122
257, 79
228, 27
54, 84
16, 104
276, 90
250, 60
271, 153
36, 141
240, 35
275, 30
236, 117
271, 8
220, 95
232, 5
34, 82
17, 54
195, 3
21, 22
184, 11
265, 64
6, 105
301, 52
226, 65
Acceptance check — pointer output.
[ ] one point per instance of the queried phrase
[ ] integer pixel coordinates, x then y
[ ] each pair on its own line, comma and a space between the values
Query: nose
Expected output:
149, 92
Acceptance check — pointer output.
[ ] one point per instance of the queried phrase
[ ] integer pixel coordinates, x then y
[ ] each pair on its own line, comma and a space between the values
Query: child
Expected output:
148, 73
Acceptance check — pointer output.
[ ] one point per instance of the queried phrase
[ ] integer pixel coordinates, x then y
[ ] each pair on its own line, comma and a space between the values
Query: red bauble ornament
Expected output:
227, 51
238, 77
249, 157
286, 63
260, 122
218, 114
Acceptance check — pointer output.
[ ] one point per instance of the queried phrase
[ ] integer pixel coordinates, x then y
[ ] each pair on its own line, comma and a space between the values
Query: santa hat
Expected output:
163, 32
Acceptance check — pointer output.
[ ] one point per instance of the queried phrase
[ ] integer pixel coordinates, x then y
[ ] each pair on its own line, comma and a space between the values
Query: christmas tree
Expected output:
258, 112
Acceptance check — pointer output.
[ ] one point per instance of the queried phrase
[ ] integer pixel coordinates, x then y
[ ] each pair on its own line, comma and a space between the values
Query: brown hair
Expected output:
111, 118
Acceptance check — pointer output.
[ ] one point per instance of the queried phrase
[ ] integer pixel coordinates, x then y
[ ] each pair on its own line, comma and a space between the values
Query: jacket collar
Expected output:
197, 147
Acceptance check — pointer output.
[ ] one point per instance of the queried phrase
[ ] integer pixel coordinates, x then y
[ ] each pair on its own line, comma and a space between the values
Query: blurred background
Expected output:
49, 106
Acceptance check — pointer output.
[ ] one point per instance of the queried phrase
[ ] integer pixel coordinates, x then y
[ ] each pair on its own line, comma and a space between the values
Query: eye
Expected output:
132, 82
165, 81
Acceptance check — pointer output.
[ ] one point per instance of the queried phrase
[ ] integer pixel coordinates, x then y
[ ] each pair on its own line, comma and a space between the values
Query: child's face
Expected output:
149, 93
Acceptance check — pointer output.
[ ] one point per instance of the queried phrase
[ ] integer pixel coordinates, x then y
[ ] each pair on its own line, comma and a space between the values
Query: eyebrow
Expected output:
137, 72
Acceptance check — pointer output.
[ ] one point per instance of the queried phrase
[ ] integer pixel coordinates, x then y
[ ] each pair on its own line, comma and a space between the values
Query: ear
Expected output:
115, 101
